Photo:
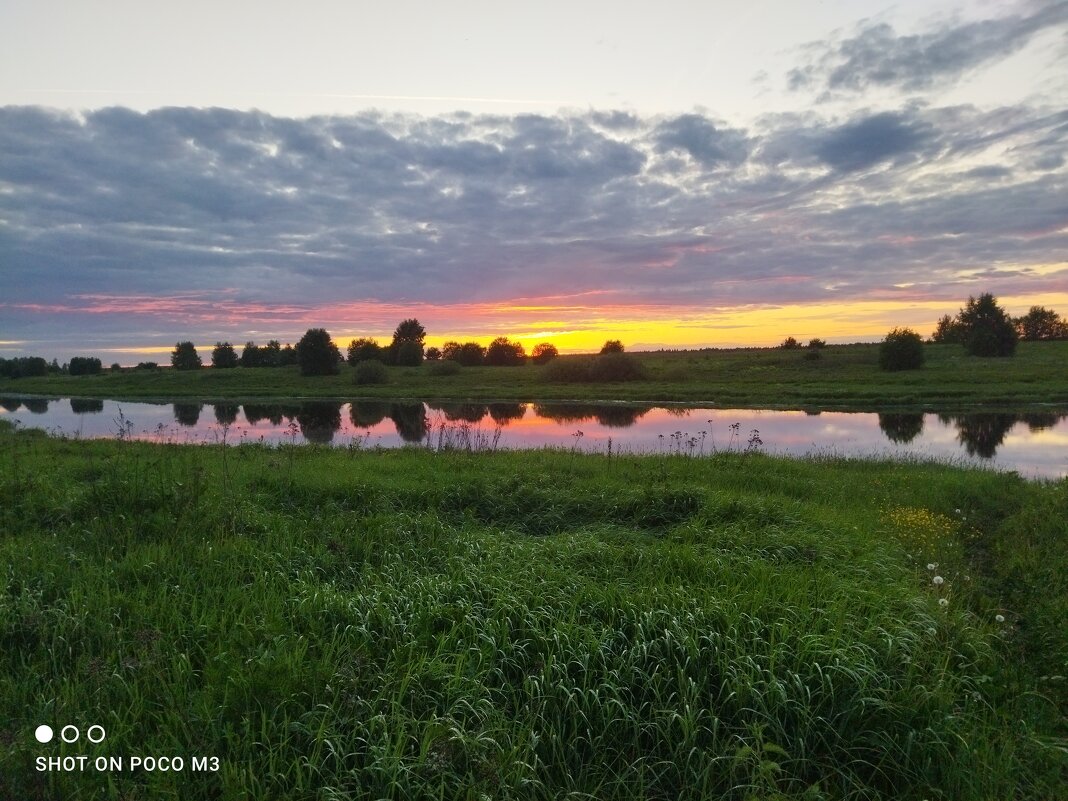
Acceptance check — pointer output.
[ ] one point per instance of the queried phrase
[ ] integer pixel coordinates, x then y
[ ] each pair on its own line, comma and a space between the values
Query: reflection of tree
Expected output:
226, 413
463, 412
620, 416
319, 420
504, 413
565, 412
610, 416
981, 434
901, 428
367, 414
187, 414
86, 405
410, 420
1040, 421
36, 405
254, 412
10, 404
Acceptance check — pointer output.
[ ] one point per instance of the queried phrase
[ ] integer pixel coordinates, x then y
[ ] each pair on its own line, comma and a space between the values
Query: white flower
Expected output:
999, 618
943, 602
957, 511
931, 566
937, 580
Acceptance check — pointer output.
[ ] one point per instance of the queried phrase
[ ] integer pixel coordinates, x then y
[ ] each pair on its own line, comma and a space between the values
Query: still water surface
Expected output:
1033, 443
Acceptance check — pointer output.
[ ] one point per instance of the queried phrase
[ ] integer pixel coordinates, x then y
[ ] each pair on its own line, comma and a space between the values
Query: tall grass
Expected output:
464, 623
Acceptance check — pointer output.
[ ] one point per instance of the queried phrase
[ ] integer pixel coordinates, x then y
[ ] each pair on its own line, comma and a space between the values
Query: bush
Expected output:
502, 352
606, 368
364, 350
147, 366
116, 367
370, 372
469, 354
544, 352
612, 346
317, 354
816, 343
432, 354
901, 350
616, 366
790, 344
444, 367
567, 371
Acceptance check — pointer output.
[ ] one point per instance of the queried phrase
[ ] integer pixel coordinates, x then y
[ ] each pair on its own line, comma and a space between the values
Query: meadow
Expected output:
841, 377
464, 624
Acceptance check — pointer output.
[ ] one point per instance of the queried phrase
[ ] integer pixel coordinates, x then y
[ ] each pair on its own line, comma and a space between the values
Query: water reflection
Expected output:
1035, 441
319, 420
187, 414
902, 428
86, 406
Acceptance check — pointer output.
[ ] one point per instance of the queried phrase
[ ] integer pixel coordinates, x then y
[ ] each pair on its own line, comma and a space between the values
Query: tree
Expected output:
816, 344
185, 357
409, 331
364, 350
901, 350
1040, 323
790, 344
988, 331
544, 352
84, 365
407, 353
317, 354
223, 356
948, 331
502, 352
469, 354
271, 354
251, 356
612, 346
432, 354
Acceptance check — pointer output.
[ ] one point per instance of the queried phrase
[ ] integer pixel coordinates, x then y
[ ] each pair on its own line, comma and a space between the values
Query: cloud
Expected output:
116, 224
877, 56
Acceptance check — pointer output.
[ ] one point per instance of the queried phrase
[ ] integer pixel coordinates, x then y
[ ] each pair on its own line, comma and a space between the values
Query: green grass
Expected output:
408, 624
844, 377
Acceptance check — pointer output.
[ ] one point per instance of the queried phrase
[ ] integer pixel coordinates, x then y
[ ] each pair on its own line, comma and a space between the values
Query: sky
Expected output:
683, 174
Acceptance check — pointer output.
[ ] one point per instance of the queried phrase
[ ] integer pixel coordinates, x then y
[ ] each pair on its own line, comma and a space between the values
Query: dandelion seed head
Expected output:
943, 602
938, 580
999, 618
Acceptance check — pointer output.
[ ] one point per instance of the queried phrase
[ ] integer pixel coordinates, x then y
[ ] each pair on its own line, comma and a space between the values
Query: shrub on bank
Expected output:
370, 372
901, 350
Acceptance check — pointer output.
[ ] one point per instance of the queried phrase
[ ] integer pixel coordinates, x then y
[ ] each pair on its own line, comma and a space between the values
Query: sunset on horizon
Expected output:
721, 175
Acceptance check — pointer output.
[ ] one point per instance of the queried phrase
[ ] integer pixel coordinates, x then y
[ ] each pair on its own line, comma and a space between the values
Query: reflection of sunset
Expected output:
1034, 445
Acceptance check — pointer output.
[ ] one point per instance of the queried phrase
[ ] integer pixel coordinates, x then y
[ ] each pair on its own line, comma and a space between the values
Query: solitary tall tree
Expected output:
185, 357
317, 354
988, 331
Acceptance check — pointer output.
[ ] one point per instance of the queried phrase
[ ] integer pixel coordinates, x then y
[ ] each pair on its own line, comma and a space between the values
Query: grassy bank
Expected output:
410, 624
846, 377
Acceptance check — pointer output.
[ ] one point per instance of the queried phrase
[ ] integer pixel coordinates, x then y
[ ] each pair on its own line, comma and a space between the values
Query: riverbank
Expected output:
844, 377
416, 624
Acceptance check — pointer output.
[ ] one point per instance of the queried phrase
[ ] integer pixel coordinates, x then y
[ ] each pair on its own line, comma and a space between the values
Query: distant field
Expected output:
846, 377
342, 623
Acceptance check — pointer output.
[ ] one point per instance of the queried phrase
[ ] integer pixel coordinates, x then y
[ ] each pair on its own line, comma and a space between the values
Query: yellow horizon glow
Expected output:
641, 327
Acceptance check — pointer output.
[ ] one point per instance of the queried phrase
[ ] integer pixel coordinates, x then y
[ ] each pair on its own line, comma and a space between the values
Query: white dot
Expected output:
43, 734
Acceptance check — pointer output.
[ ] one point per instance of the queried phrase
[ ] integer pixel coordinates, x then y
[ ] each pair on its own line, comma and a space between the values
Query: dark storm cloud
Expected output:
878, 56
100, 212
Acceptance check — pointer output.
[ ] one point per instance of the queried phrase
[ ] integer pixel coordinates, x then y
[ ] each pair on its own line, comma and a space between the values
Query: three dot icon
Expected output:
69, 734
